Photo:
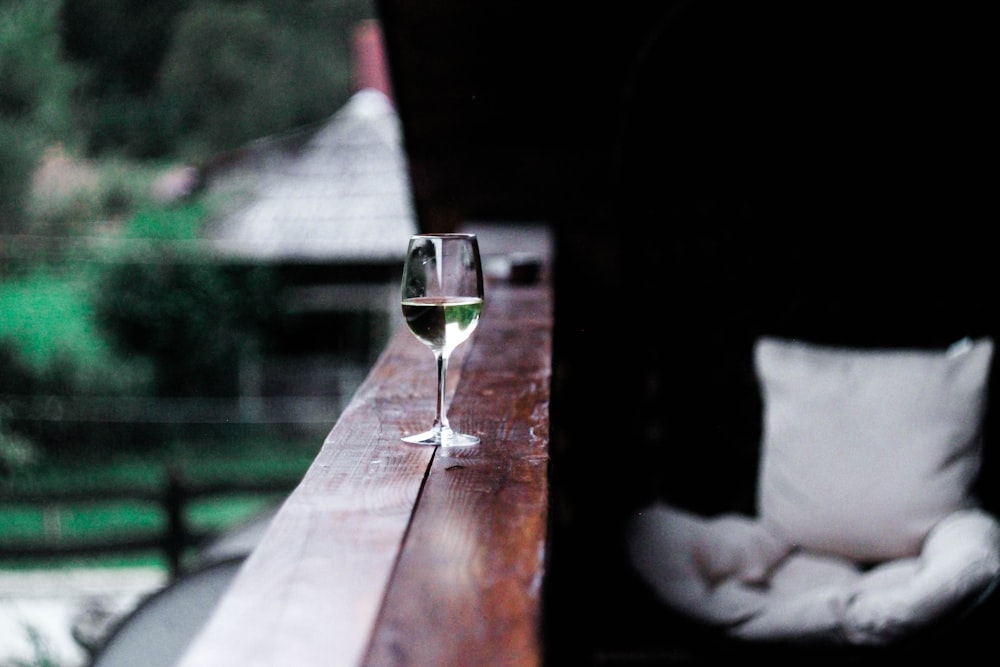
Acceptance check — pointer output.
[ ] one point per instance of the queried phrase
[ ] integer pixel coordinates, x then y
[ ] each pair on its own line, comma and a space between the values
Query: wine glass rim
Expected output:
445, 235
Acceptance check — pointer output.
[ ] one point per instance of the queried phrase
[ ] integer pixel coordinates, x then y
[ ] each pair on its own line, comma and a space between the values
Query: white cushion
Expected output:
729, 572
865, 451
708, 568
826, 598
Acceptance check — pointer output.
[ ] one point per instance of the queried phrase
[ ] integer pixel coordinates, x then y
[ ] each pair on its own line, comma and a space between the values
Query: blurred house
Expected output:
344, 199
331, 210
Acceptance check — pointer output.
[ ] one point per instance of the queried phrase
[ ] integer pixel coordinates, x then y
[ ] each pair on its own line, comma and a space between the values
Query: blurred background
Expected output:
203, 209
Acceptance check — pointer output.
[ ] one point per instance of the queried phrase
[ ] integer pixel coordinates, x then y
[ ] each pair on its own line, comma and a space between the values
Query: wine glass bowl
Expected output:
442, 300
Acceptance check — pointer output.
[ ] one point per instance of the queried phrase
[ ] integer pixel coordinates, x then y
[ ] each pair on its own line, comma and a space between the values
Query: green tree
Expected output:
18, 154
211, 74
191, 317
122, 42
229, 75
237, 71
36, 88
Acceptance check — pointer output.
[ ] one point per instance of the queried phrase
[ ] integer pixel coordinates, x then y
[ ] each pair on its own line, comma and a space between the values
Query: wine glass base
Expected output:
435, 437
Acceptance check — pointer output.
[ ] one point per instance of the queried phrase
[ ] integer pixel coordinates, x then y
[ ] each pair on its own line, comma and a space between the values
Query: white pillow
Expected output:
864, 451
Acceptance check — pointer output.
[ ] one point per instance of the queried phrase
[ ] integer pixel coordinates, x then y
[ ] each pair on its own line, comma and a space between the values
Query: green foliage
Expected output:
137, 126
74, 196
35, 99
140, 318
50, 352
272, 462
122, 42
18, 153
122, 45
190, 316
229, 76
192, 77
239, 71
35, 83
16, 451
49, 316
181, 223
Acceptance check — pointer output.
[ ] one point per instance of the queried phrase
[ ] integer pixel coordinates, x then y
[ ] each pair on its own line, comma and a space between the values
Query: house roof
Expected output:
345, 198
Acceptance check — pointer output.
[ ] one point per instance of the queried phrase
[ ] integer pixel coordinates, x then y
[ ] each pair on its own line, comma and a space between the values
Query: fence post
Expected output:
176, 538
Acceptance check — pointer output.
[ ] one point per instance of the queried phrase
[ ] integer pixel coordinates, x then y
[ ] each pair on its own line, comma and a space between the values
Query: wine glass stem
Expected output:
441, 418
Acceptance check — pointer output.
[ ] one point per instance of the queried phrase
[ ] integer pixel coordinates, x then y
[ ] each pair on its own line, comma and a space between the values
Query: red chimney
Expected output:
371, 68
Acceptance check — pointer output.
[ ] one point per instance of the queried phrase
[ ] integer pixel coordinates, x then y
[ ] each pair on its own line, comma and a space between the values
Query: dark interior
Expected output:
713, 171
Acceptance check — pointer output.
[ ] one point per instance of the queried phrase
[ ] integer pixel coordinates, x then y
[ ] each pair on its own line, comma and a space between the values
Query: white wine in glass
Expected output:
442, 299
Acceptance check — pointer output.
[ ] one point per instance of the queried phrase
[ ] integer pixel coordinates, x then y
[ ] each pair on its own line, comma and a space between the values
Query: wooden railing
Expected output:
394, 554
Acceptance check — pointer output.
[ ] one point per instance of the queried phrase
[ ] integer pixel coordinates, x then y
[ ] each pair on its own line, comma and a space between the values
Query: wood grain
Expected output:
394, 554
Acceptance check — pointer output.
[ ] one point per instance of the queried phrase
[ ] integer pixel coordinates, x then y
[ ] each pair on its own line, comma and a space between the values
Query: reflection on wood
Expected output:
389, 553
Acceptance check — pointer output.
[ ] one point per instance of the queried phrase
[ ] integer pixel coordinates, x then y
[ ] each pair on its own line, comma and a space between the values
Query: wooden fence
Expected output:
173, 537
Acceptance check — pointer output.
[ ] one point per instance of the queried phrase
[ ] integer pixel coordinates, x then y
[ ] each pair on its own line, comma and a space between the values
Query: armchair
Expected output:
867, 530
869, 536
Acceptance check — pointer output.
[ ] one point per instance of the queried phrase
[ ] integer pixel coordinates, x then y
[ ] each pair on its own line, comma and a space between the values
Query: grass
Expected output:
48, 313
21, 523
180, 223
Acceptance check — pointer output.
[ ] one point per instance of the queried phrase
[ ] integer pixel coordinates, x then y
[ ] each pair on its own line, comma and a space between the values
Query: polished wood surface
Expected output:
395, 554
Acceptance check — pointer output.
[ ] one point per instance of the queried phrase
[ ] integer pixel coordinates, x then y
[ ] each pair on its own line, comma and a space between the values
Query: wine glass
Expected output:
442, 299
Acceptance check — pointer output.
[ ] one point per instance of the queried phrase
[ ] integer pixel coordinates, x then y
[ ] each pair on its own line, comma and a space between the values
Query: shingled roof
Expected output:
345, 198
